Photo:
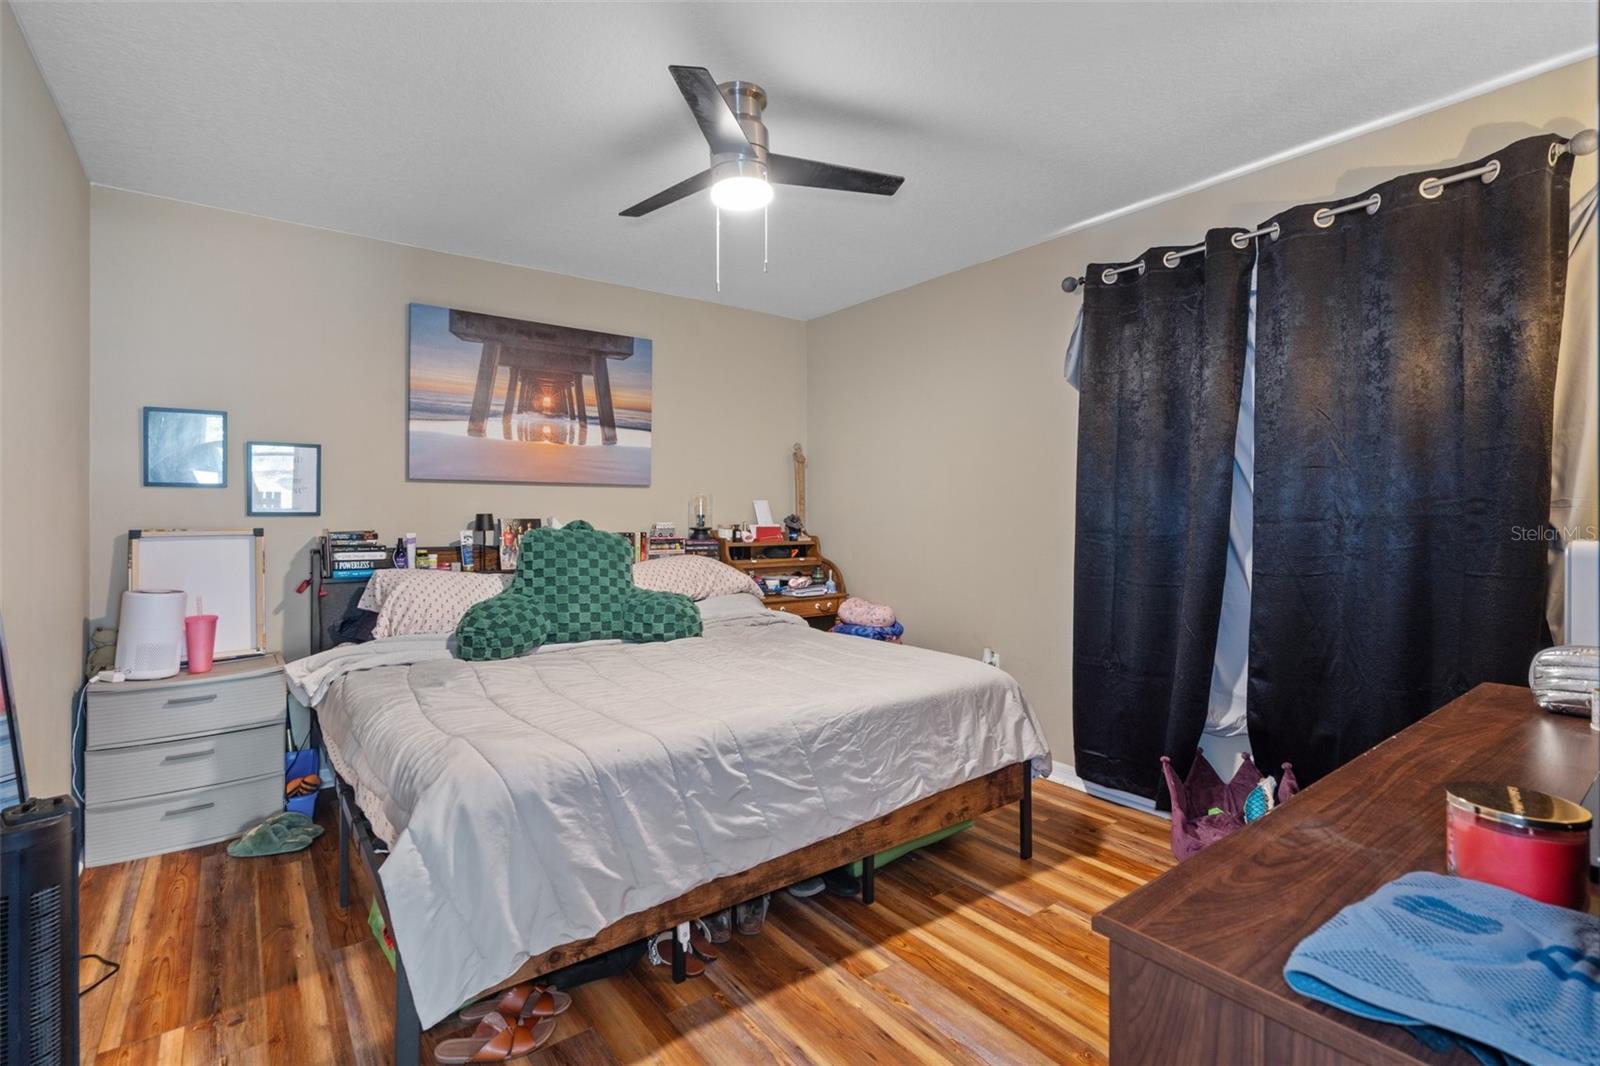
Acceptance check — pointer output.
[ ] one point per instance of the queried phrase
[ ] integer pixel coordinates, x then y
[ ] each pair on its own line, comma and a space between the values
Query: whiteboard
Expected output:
224, 569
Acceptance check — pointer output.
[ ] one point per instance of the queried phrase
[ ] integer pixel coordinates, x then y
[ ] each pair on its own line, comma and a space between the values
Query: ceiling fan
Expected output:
742, 170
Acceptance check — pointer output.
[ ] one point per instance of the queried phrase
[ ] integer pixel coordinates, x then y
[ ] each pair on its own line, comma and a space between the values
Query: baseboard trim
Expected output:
1062, 773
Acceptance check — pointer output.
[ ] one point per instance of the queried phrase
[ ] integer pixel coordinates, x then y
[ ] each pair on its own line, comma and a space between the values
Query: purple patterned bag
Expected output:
1194, 825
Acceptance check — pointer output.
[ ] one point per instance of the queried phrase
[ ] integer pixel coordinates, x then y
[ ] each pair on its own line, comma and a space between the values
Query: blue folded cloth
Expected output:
1507, 977
870, 632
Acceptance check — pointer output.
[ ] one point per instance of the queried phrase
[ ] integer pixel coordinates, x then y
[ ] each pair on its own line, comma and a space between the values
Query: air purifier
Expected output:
150, 633
39, 934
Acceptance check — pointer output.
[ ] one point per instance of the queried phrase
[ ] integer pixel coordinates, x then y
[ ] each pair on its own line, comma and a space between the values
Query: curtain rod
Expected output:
1581, 143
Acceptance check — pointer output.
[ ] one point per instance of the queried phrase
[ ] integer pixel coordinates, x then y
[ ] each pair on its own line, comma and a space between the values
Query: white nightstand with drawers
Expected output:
182, 761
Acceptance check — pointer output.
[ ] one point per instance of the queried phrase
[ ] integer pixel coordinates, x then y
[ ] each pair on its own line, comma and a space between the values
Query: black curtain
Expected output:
1163, 360
1405, 367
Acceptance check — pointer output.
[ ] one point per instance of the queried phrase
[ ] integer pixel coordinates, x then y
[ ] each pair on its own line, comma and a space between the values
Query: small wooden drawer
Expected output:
131, 772
806, 608
139, 712
134, 829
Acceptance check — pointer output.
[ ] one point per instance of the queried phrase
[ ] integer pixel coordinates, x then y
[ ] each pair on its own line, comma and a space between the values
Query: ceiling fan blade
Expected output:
711, 111
789, 170
686, 187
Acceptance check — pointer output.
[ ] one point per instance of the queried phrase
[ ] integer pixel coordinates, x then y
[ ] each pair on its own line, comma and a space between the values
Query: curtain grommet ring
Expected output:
1325, 215
1241, 240
1556, 148
1110, 274
1430, 189
1170, 260
1491, 171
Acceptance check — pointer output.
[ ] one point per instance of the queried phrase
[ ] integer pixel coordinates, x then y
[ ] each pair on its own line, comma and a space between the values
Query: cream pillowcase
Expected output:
409, 602
694, 576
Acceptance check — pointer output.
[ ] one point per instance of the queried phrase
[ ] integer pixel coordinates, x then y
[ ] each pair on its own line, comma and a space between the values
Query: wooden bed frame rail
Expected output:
1010, 784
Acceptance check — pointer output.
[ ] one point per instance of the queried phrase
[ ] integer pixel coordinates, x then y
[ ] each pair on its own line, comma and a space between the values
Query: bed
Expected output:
523, 815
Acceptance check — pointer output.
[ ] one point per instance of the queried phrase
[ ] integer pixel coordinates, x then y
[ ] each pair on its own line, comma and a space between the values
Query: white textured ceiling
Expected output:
516, 132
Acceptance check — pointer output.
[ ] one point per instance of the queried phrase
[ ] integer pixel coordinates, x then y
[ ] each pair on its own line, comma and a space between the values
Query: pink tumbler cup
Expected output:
200, 630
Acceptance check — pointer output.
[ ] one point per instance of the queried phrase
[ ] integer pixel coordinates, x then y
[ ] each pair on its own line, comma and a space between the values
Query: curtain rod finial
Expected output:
1583, 143
1070, 284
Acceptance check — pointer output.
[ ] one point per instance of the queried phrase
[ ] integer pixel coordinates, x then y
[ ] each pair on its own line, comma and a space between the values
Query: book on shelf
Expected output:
702, 546
805, 593
660, 547
340, 536
353, 554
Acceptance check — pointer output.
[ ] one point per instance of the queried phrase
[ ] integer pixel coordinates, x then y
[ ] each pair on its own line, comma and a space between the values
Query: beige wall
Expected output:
942, 437
941, 434
44, 384
300, 335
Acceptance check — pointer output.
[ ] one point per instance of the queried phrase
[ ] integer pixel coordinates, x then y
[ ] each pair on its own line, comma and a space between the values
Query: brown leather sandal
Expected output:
700, 945
495, 1040
520, 1002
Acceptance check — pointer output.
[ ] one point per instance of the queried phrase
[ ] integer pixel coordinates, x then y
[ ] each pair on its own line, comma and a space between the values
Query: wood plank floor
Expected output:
969, 955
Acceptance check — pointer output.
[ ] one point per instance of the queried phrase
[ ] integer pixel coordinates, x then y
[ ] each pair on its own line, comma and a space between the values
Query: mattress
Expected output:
532, 802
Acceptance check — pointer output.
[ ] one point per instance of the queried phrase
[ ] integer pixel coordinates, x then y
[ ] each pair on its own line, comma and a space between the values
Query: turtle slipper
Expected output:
279, 834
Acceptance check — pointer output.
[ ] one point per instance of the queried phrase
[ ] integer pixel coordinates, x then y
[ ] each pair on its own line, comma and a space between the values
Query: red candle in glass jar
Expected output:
1530, 842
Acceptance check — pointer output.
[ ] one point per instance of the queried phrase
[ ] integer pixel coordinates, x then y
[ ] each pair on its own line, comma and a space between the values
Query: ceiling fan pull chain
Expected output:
763, 240
718, 210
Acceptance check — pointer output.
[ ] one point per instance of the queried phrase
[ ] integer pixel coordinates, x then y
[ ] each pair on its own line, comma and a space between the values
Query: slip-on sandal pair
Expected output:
517, 1024
700, 953
495, 1040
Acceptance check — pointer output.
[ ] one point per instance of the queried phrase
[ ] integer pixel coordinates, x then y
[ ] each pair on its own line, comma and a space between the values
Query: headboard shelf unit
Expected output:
331, 596
488, 560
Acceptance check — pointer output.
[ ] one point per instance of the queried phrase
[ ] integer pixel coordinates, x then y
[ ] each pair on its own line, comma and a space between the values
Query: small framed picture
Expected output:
283, 479
185, 448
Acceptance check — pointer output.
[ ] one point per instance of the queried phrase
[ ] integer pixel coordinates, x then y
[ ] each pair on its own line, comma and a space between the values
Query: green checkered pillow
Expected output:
572, 584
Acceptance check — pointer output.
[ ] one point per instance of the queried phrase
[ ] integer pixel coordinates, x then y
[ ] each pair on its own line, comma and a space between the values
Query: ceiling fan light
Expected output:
742, 192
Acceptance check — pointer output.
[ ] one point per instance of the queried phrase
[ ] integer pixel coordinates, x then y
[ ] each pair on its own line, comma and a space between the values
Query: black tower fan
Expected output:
38, 911
38, 934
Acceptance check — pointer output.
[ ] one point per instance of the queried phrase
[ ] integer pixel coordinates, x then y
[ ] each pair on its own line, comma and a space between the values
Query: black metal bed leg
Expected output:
1025, 814
407, 1027
869, 888
344, 855
680, 963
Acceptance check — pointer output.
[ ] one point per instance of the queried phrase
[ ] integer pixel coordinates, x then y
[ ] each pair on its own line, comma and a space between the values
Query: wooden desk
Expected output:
1197, 955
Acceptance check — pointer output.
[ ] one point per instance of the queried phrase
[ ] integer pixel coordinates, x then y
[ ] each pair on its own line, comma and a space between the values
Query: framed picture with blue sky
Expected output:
185, 448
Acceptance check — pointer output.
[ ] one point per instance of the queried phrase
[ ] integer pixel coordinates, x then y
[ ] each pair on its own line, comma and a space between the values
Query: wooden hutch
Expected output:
789, 558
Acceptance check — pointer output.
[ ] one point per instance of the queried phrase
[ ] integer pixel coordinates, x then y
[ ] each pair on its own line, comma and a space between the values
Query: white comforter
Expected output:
538, 800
